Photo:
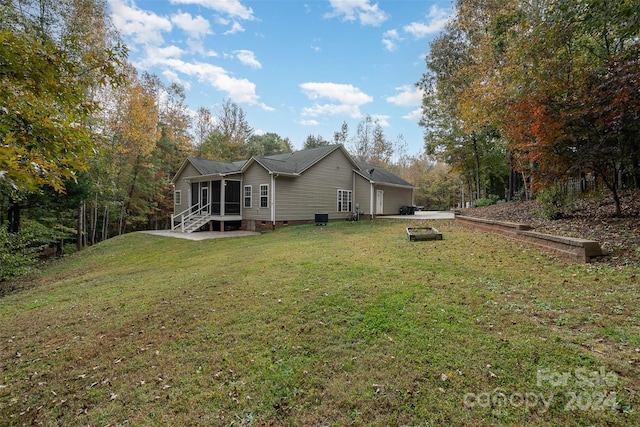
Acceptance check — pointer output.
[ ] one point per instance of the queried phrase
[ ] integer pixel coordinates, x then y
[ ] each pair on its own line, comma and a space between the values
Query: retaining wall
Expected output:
581, 250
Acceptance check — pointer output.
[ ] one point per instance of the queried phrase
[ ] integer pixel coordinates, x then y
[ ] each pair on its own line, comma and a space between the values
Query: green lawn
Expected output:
349, 324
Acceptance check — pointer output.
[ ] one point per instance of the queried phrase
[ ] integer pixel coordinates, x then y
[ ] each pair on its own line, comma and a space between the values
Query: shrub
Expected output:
492, 199
19, 252
554, 202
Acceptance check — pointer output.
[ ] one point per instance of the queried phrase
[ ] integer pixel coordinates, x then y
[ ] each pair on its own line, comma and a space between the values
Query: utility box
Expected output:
322, 218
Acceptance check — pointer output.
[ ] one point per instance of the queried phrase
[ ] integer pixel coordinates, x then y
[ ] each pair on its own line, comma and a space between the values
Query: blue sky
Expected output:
296, 67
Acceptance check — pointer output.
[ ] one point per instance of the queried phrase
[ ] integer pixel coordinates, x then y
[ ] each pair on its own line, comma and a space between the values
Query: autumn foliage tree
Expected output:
50, 67
557, 81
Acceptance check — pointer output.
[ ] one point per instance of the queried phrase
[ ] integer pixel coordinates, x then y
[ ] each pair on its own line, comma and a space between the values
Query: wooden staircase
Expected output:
194, 223
191, 219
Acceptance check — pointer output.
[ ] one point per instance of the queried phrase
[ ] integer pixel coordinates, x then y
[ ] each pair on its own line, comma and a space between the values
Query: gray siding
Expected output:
184, 188
315, 190
393, 198
299, 198
363, 195
254, 176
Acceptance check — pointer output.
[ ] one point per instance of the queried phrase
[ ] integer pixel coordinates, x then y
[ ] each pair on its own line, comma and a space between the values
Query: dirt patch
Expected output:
592, 218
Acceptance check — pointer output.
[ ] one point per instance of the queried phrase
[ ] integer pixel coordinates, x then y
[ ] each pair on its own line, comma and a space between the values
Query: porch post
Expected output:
222, 196
223, 188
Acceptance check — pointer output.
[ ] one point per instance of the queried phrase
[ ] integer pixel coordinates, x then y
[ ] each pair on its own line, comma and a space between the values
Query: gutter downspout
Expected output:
354, 195
371, 204
273, 201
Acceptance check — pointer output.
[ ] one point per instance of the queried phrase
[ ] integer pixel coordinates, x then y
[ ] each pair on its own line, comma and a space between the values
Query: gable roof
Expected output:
208, 167
376, 174
292, 164
296, 162
213, 167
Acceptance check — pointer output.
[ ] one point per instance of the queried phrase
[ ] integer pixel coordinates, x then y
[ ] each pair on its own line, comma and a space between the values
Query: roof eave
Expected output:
293, 175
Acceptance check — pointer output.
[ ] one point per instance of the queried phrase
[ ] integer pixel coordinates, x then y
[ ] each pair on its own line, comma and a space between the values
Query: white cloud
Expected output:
389, 38
436, 20
143, 26
310, 122
316, 110
414, 116
241, 91
347, 99
381, 119
173, 77
343, 93
389, 45
233, 8
407, 96
157, 54
248, 58
363, 10
235, 28
195, 27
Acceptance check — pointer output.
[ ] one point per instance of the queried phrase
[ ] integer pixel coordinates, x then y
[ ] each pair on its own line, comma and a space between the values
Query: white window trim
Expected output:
344, 207
264, 195
249, 197
177, 197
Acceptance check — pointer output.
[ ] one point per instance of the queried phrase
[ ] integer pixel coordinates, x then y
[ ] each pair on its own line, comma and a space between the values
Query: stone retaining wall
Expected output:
581, 250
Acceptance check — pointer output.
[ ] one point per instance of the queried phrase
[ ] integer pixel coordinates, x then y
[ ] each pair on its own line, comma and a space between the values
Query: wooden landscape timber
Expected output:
581, 250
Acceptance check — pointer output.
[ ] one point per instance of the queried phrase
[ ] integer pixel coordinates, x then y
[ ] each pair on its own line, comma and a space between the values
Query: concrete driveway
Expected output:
422, 215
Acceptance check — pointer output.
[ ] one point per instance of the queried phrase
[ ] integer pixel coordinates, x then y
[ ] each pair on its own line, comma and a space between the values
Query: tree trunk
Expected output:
476, 157
105, 223
79, 227
132, 188
94, 220
13, 216
613, 188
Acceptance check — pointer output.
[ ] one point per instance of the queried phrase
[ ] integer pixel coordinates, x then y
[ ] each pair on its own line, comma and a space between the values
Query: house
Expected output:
263, 193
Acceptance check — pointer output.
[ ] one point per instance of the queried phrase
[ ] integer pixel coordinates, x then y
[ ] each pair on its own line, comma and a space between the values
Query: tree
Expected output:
341, 136
204, 125
229, 138
135, 133
47, 80
268, 144
314, 142
553, 83
173, 145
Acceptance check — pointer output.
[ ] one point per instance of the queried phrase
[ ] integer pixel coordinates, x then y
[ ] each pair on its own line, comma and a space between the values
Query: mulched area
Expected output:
592, 218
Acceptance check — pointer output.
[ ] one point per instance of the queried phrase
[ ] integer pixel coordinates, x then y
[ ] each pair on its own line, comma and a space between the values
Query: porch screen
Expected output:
215, 197
232, 198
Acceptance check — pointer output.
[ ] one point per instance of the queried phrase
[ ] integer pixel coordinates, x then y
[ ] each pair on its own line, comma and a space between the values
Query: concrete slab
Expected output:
422, 215
201, 235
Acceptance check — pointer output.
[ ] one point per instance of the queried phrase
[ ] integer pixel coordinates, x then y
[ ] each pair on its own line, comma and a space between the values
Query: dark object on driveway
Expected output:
423, 233
407, 210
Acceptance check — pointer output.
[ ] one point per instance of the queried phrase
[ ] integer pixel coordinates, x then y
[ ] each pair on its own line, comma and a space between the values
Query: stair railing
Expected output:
187, 215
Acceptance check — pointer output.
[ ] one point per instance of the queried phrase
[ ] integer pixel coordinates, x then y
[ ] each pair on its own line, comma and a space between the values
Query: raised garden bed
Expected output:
423, 233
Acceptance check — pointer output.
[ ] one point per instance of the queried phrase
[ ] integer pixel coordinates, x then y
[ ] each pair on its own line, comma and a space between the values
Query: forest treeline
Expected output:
525, 94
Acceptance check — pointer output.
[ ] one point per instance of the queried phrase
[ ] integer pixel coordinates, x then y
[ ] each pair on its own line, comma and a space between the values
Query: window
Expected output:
264, 195
344, 200
177, 197
247, 196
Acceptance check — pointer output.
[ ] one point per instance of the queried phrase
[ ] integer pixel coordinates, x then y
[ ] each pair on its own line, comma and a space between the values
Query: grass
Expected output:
349, 324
